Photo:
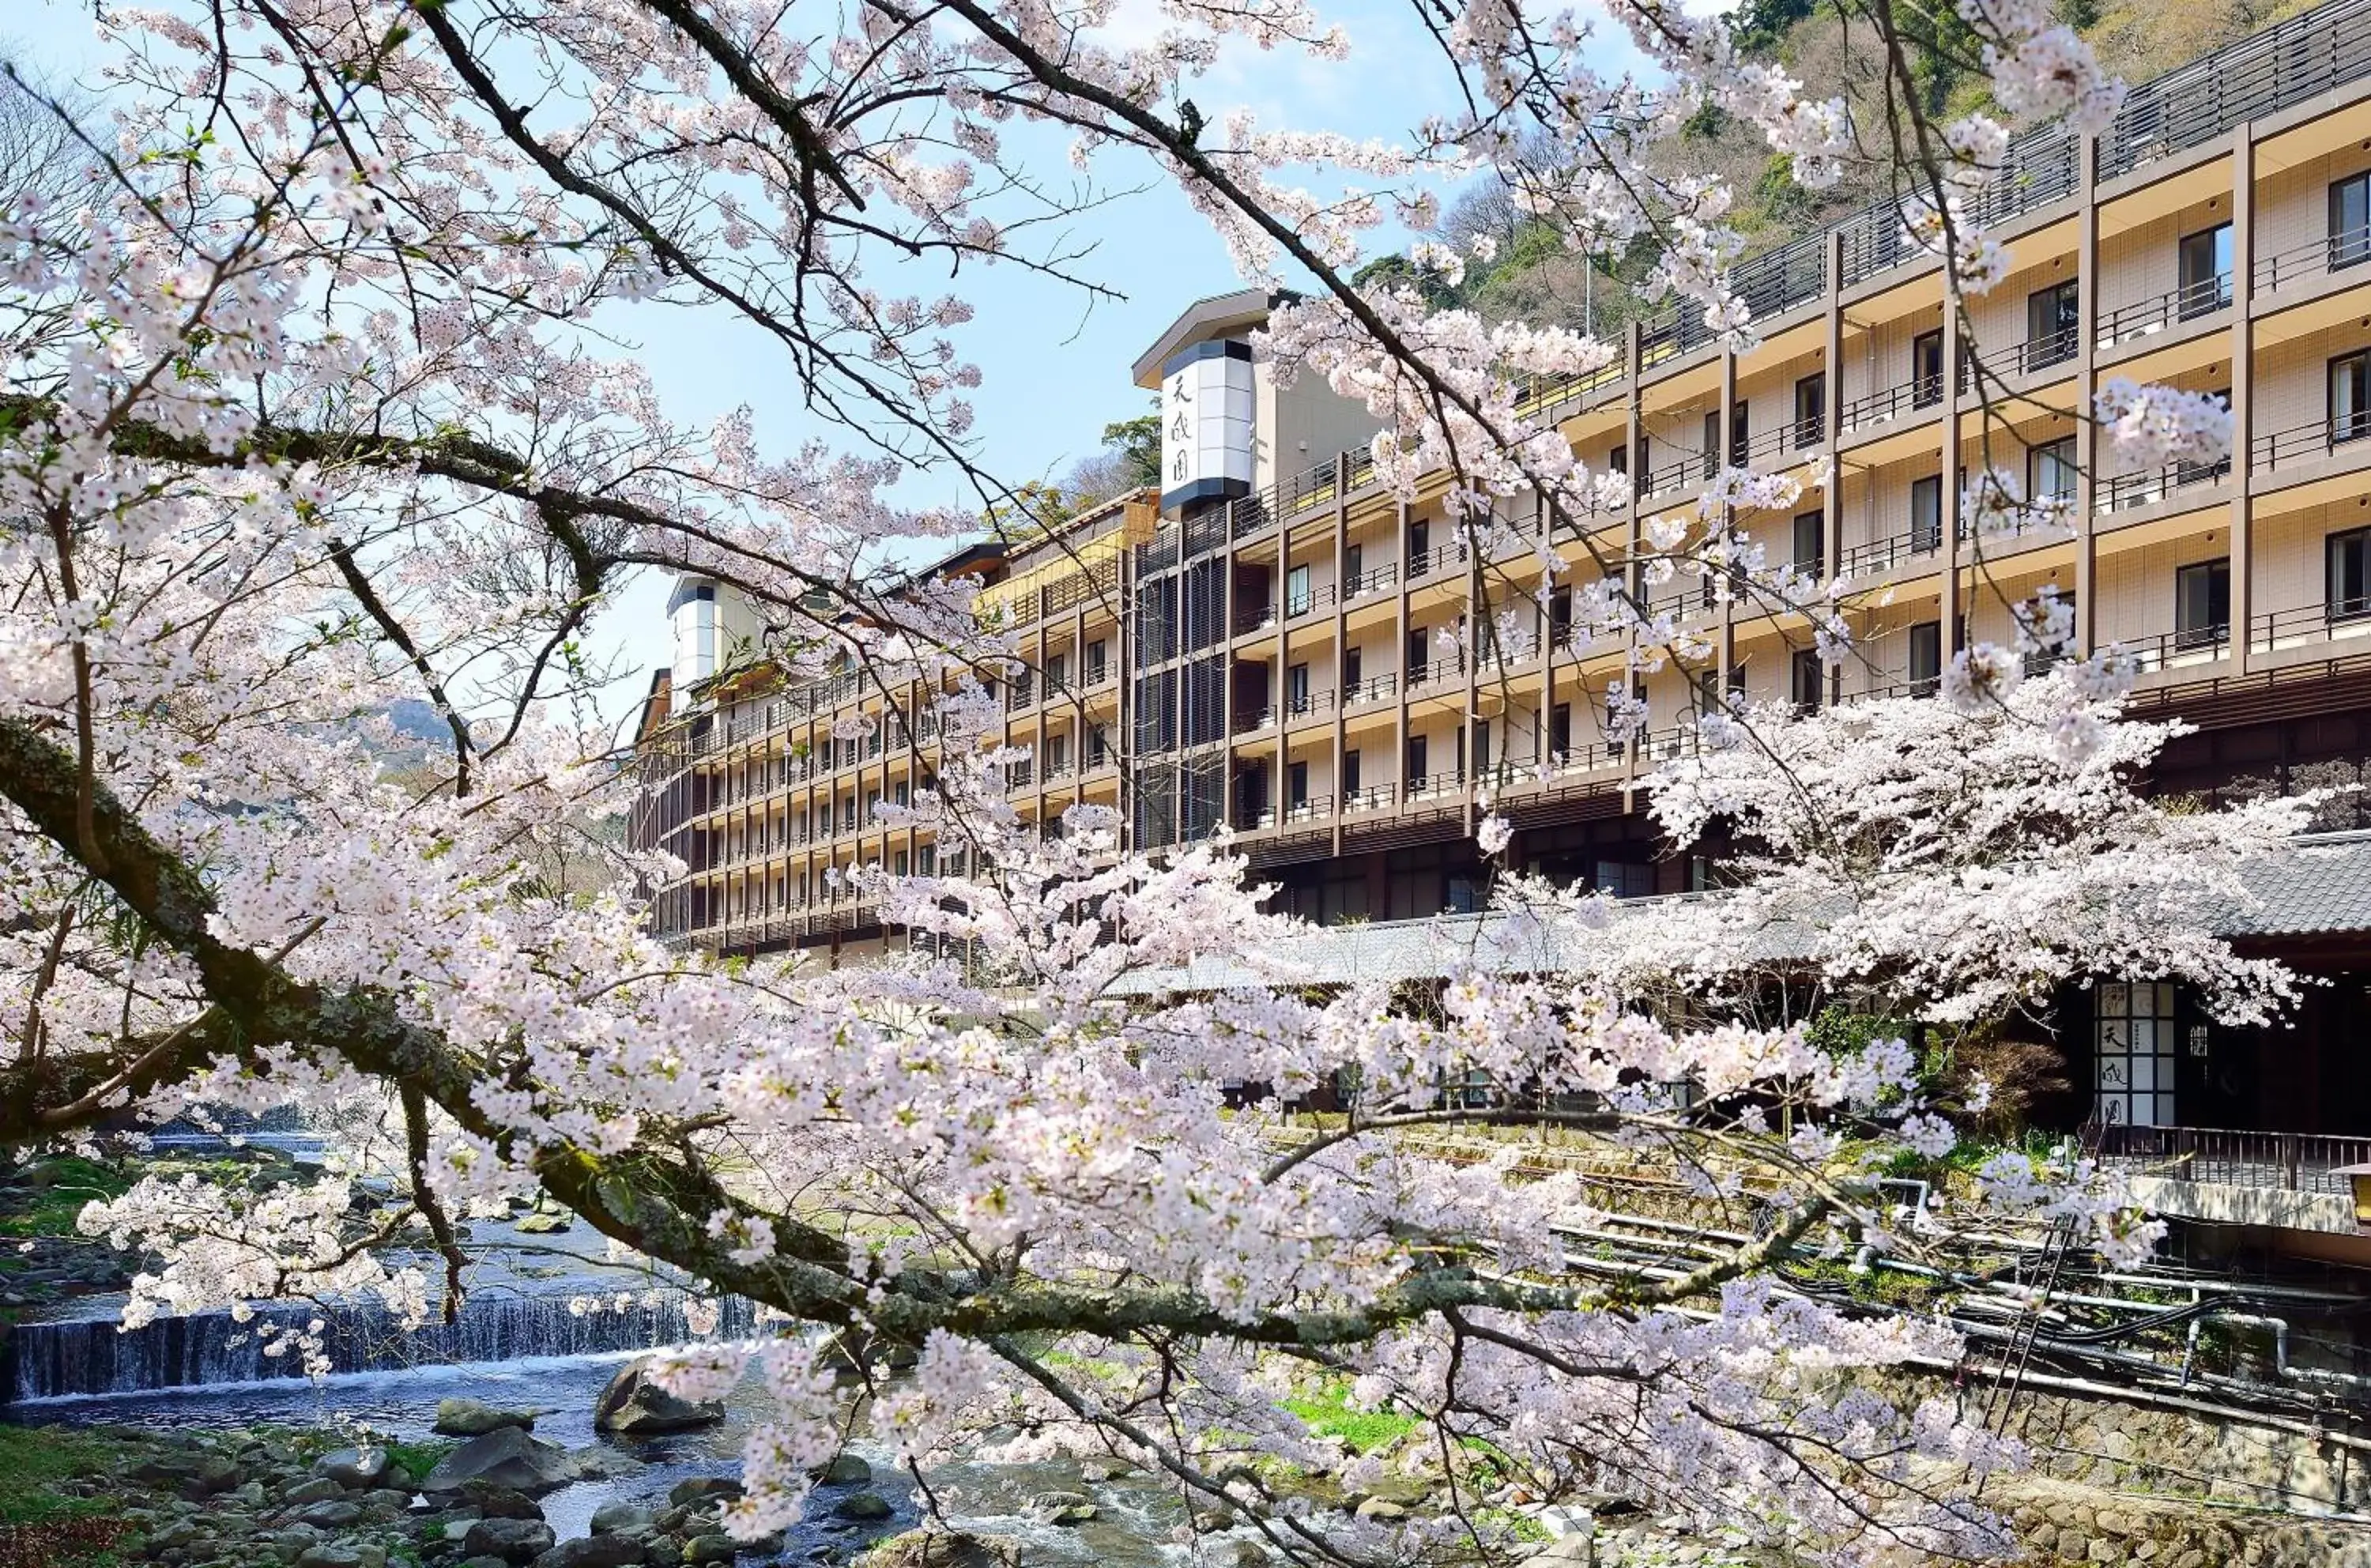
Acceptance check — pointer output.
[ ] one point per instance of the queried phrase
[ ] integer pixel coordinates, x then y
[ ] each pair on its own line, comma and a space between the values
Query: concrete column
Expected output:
2087, 444
2243, 391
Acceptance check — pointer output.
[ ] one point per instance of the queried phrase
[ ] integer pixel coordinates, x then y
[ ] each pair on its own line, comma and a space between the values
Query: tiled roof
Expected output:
2324, 889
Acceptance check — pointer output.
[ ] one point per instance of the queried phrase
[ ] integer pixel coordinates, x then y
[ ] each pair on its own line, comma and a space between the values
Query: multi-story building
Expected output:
1274, 642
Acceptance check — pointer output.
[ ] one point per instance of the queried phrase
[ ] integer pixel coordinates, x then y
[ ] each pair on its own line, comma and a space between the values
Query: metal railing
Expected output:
2300, 625
1317, 598
2333, 253
1373, 798
2303, 443
2121, 492
1374, 688
2301, 58
2294, 1162
1249, 720
1436, 785
1254, 618
1374, 581
2033, 355
2178, 647
1877, 408
1311, 808
1309, 704
1441, 558
2187, 302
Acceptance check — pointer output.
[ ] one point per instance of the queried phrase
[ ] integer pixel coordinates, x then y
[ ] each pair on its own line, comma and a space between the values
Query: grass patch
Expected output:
1328, 1414
39, 1527
416, 1459
62, 1184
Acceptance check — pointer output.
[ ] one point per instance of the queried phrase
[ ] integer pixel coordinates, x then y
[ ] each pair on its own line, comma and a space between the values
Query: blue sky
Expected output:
1054, 366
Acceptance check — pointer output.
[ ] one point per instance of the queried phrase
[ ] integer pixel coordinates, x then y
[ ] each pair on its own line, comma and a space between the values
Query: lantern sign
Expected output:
1207, 400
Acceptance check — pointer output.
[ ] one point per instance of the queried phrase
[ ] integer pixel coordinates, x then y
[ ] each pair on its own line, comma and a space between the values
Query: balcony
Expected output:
2031, 357
1436, 787
2178, 648
2308, 442
1375, 688
2188, 303
1308, 705
1250, 618
1308, 810
1250, 721
1441, 558
1309, 604
1374, 582
2289, 1179
2123, 491
2314, 258
2305, 626
1882, 407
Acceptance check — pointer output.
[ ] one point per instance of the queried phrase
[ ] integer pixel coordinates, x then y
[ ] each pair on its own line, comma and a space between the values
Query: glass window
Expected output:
1296, 786
2050, 470
1926, 513
2201, 604
2052, 318
1811, 543
1926, 369
1349, 776
1419, 544
2350, 396
1418, 748
1925, 658
1354, 566
1806, 680
1811, 410
1711, 443
2347, 569
1618, 460
2350, 220
1298, 599
2205, 271
1741, 436
1296, 688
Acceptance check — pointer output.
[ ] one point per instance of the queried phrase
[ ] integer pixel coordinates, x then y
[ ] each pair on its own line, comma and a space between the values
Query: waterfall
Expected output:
93, 1355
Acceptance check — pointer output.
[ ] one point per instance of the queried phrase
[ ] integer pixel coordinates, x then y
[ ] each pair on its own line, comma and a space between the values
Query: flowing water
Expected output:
522, 1340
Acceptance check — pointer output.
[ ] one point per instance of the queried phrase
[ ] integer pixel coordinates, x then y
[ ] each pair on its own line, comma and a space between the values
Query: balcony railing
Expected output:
1441, 558
1373, 798
1371, 582
2300, 625
1310, 809
1676, 475
1250, 719
1877, 408
1309, 704
2294, 1162
1254, 618
1436, 786
2173, 650
1374, 688
2187, 302
2305, 442
1318, 598
2122, 491
2348, 247
2033, 355
2302, 58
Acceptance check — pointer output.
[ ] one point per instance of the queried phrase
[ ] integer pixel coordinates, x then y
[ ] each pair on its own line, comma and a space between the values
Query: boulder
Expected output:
193, 1475
489, 1501
358, 1469
331, 1555
941, 1549
513, 1540
618, 1517
475, 1418
336, 1514
1061, 1507
635, 1405
592, 1551
862, 1507
708, 1549
1382, 1508
699, 1488
541, 1224
319, 1489
845, 1469
505, 1457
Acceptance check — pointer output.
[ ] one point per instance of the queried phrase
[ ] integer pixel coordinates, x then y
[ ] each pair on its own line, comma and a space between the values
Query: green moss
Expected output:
1328, 1413
416, 1459
40, 1527
61, 1185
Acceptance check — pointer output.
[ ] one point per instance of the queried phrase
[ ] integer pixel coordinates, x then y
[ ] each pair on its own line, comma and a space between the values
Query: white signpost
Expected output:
1206, 423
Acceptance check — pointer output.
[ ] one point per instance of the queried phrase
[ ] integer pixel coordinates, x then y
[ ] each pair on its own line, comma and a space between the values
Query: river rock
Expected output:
336, 1514
699, 1488
592, 1551
360, 1469
475, 1418
635, 1405
505, 1457
193, 1475
862, 1507
1382, 1508
331, 1555
1061, 1507
513, 1540
490, 1502
708, 1549
845, 1469
941, 1549
619, 1516
318, 1488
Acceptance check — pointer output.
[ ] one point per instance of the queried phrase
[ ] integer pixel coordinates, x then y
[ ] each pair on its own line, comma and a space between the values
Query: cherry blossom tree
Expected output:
314, 403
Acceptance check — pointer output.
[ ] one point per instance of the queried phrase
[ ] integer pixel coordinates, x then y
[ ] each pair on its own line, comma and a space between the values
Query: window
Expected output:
1296, 688
1740, 434
2350, 396
1354, 567
1560, 614
1415, 773
1057, 754
2350, 221
1926, 369
1296, 786
1926, 513
2134, 1052
2201, 604
1350, 776
1058, 674
1811, 543
1618, 460
1811, 410
1806, 679
1419, 648
1711, 443
1299, 598
1354, 663
1419, 544
2053, 316
1925, 658
1098, 661
2206, 272
1098, 746
1560, 729
2347, 574
2050, 470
